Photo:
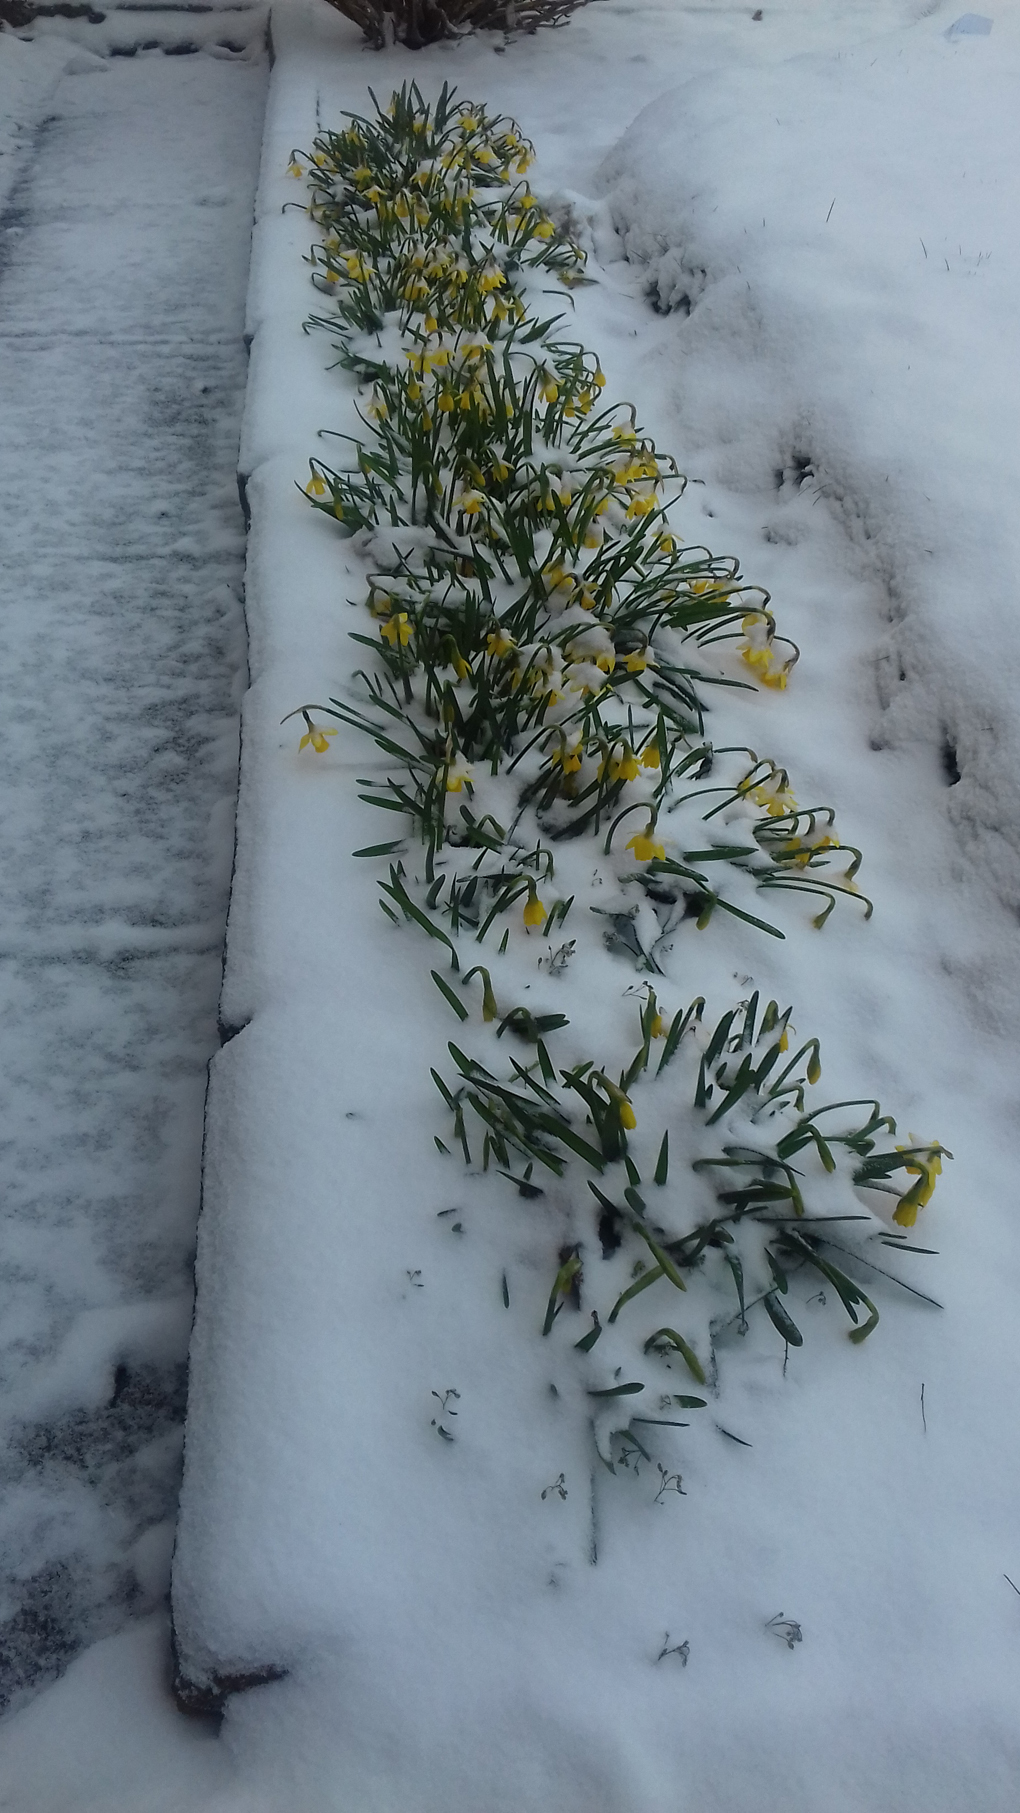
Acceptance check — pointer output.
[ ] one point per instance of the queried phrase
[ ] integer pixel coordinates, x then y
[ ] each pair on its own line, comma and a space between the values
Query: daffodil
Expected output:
774, 794
640, 506
798, 850
646, 846
317, 735
927, 1168
621, 765
568, 757
457, 773
316, 486
650, 756
398, 631
500, 645
767, 666
534, 911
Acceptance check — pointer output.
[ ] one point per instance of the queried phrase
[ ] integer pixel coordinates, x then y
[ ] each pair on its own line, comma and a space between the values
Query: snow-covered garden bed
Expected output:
416, 1486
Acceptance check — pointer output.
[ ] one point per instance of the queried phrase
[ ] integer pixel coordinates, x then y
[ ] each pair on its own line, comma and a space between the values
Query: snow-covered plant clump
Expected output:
536, 687
416, 23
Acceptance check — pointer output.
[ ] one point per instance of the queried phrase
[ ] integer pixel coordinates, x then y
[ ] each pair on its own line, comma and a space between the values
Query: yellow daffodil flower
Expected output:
640, 506
645, 845
767, 666
316, 486
534, 911
621, 766
317, 736
568, 759
457, 773
650, 756
927, 1169
500, 645
398, 631
774, 794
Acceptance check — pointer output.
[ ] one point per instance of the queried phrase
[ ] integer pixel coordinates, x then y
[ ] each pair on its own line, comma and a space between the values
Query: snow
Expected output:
230, 30
107, 1738
449, 1643
122, 661
28, 76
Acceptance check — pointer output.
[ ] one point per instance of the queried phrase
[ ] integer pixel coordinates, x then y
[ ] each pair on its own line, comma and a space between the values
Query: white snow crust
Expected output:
844, 401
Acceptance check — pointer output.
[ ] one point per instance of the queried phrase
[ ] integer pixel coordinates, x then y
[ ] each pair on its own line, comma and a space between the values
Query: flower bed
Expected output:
536, 688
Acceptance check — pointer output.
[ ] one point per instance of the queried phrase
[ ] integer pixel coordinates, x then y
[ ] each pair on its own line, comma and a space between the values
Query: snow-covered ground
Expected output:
842, 379
124, 242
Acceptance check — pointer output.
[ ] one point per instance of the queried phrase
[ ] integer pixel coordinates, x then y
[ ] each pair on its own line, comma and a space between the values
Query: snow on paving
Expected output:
123, 260
847, 401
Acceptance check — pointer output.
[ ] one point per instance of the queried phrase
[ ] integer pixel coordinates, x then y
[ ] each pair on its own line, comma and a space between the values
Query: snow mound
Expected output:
840, 238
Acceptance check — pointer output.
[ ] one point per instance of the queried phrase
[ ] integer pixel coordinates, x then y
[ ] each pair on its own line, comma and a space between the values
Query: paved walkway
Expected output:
123, 262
